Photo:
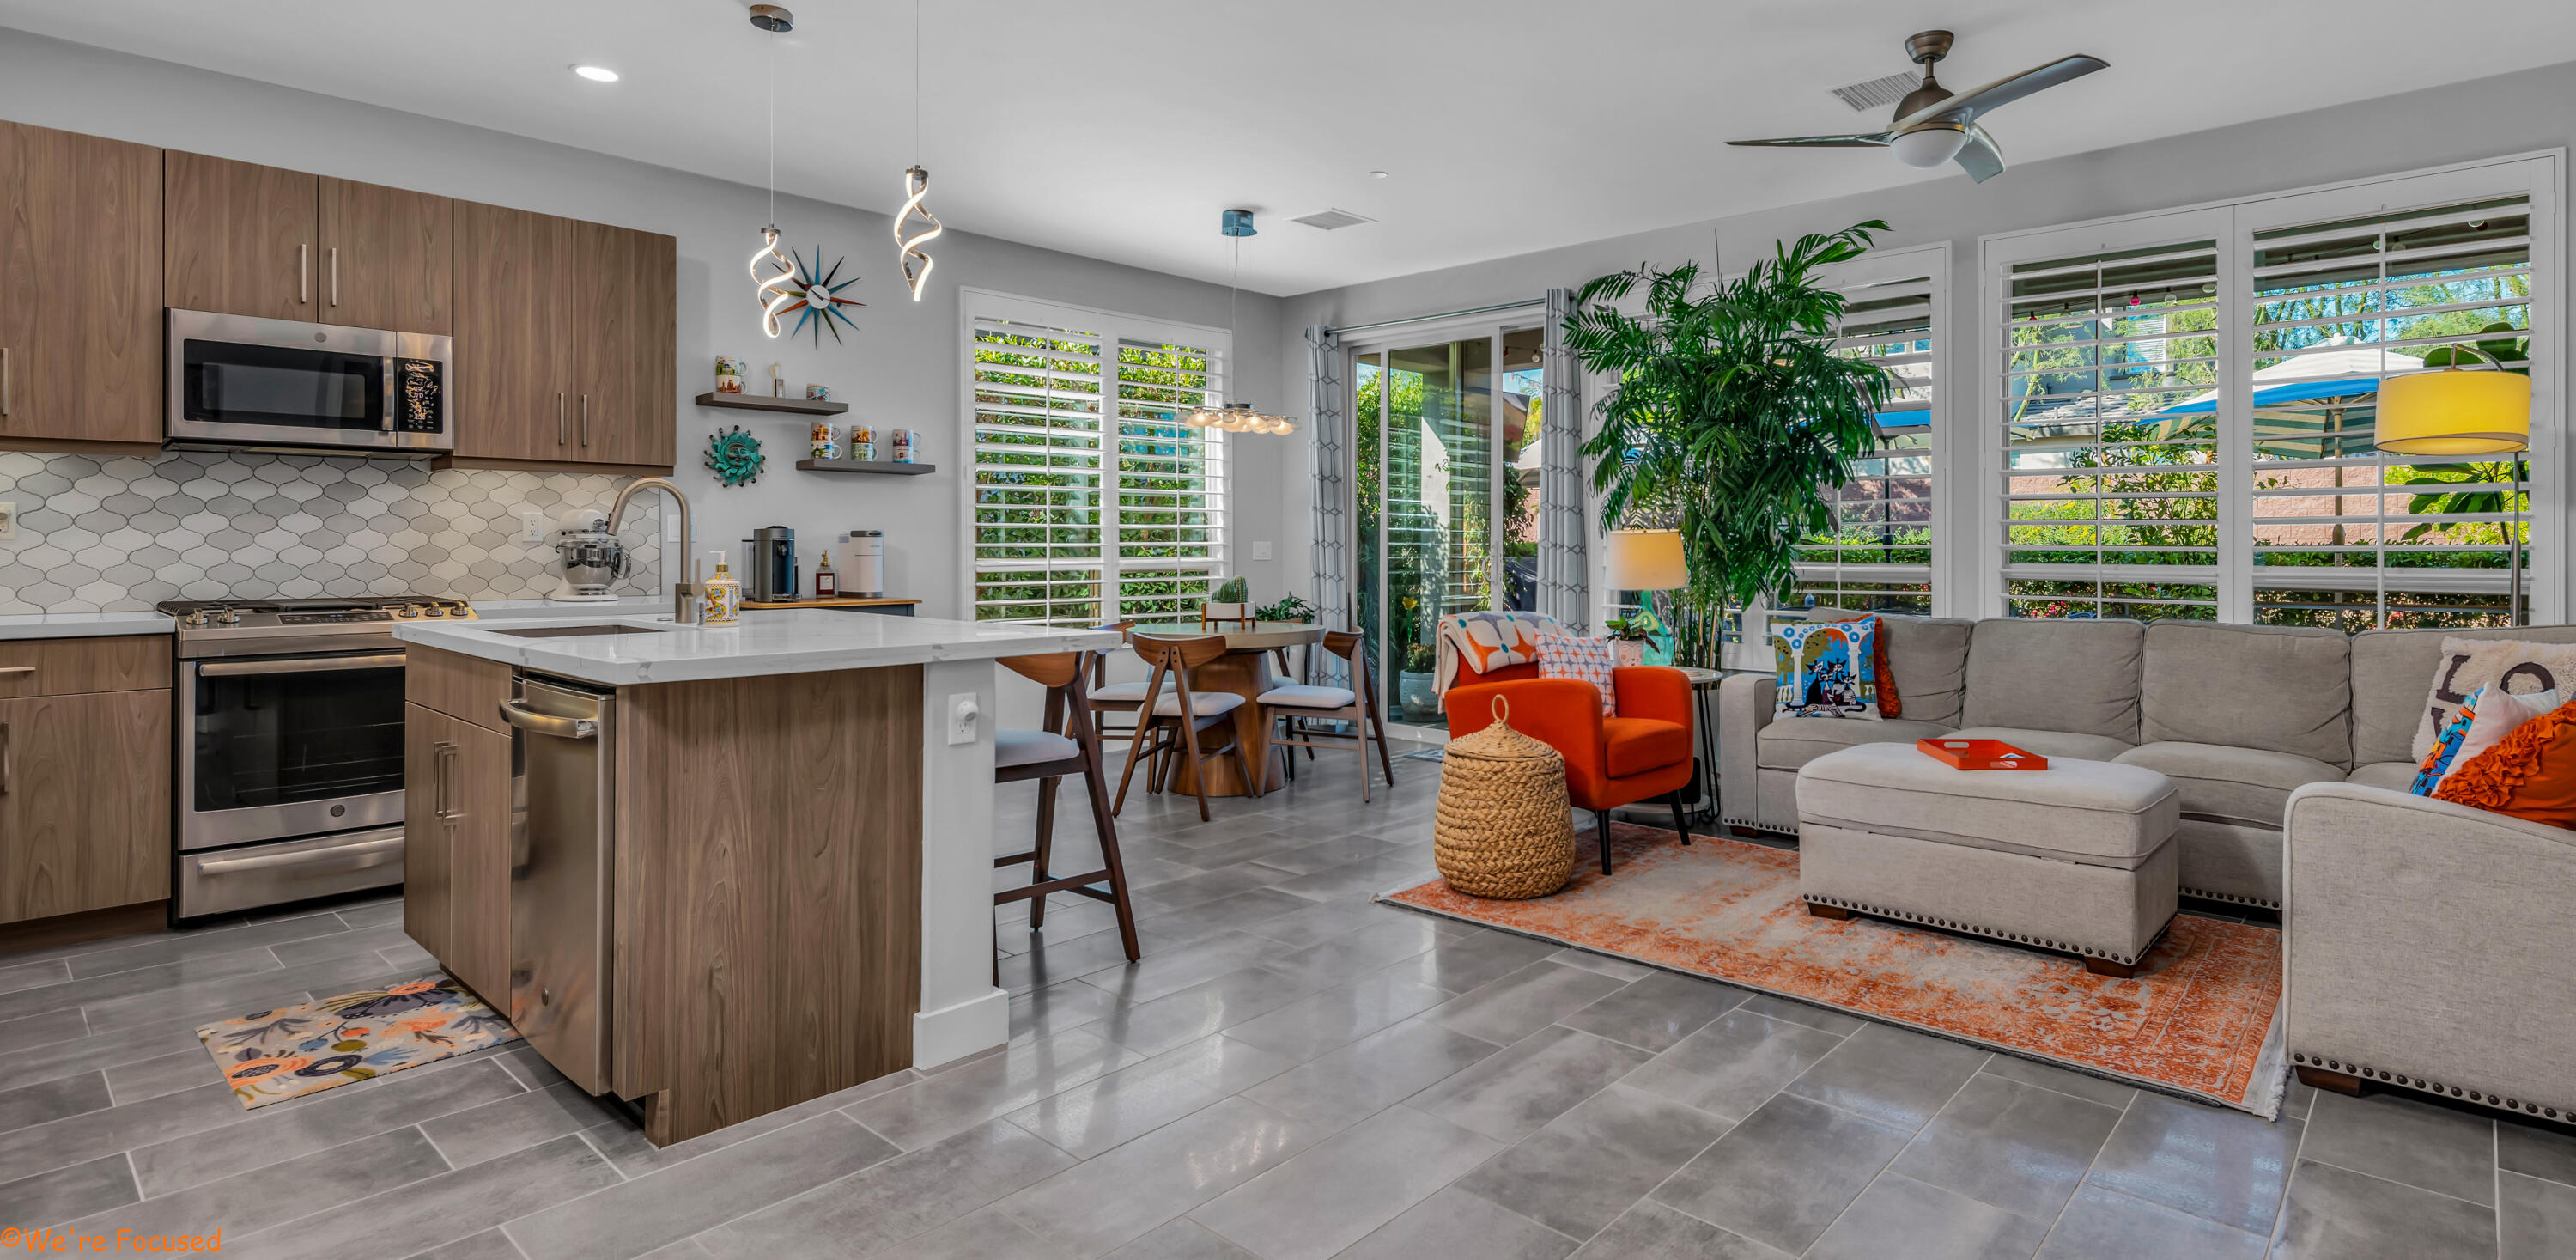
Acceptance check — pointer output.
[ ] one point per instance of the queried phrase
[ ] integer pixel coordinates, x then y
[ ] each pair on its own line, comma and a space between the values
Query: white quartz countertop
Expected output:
96, 625
795, 641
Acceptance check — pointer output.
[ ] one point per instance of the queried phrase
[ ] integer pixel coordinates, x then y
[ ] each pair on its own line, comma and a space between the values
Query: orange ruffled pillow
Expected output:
2531, 774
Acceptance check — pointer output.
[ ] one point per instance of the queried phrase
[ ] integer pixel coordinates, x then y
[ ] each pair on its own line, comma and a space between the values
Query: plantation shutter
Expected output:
1091, 502
1880, 554
2343, 534
2109, 411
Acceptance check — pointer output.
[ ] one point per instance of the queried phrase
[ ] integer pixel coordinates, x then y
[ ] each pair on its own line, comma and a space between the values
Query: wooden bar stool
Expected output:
1171, 725
1047, 756
1298, 704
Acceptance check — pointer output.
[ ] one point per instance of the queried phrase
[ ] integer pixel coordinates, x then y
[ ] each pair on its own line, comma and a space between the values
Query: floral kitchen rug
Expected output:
271, 1056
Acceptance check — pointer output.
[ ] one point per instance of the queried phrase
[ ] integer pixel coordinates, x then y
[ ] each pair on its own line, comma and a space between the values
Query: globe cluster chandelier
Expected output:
1237, 417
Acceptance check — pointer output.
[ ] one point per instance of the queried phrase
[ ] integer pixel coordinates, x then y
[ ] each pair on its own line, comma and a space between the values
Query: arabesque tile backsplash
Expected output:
108, 535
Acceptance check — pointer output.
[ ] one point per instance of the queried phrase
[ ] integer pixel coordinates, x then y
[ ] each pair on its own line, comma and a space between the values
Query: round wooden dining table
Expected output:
1245, 671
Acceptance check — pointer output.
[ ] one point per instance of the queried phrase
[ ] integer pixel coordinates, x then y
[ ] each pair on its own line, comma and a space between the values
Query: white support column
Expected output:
962, 1011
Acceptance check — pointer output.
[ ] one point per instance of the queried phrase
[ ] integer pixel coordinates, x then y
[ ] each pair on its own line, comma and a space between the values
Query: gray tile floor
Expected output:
1292, 1073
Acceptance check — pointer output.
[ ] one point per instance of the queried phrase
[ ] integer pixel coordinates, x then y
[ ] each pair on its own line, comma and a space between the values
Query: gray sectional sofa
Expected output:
2239, 717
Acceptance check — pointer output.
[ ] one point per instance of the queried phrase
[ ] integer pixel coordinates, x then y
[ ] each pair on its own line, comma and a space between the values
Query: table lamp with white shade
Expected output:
1645, 560
2456, 411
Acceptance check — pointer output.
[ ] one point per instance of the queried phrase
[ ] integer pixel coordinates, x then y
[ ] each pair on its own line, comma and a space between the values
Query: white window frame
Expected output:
1113, 327
2539, 175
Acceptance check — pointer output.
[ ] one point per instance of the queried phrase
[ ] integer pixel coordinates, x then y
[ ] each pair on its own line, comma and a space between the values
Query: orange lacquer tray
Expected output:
1981, 754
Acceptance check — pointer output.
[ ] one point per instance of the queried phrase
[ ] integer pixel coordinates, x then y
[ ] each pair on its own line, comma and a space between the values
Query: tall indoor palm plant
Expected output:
1730, 410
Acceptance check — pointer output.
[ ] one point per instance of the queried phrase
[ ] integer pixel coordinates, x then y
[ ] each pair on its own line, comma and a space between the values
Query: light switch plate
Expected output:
1261, 551
533, 526
962, 714
8, 521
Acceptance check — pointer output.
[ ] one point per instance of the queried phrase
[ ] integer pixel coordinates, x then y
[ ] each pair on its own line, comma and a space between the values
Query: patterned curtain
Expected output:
1564, 584
1330, 458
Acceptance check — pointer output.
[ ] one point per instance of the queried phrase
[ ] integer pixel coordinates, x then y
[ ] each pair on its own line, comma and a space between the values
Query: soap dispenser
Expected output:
723, 594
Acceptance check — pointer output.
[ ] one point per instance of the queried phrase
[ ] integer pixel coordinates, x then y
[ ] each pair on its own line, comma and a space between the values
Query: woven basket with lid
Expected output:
1505, 829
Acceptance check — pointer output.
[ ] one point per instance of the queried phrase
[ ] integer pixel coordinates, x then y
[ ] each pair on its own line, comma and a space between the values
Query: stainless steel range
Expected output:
290, 757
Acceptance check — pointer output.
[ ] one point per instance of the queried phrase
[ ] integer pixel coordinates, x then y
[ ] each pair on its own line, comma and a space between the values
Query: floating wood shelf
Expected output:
865, 466
837, 601
754, 402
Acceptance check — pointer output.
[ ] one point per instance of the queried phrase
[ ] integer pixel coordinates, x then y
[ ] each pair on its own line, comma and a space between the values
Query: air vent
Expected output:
1331, 220
1880, 93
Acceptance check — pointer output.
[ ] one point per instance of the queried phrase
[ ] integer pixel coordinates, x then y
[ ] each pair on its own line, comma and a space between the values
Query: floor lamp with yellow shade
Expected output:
2456, 411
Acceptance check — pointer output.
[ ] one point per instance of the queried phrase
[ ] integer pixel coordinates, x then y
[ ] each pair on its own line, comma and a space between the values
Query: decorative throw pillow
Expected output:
2498, 714
1825, 670
1564, 656
2531, 774
2510, 665
2446, 750
1488, 641
1889, 703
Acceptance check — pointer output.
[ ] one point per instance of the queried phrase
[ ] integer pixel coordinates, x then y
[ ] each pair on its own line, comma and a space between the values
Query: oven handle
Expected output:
366, 852
309, 665
520, 715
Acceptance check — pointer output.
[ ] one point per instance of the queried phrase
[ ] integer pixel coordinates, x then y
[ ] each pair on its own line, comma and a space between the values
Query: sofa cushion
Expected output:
1637, 745
1789, 743
2079, 676
1927, 657
2223, 783
2391, 670
2396, 776
2096, 813
2283, 688
2053, 743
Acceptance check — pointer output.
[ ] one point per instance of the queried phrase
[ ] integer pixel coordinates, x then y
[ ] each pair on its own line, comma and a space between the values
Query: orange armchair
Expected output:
1641, 752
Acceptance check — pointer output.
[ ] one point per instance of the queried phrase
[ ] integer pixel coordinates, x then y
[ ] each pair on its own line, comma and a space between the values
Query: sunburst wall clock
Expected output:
733, 455
814, 297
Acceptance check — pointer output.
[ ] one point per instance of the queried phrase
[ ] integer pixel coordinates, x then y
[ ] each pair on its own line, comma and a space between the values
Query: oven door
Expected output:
236, 380
279, 746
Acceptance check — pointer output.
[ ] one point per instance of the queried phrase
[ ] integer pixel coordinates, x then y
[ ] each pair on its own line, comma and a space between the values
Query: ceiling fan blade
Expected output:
1967, 105
1980, 157
1879, 140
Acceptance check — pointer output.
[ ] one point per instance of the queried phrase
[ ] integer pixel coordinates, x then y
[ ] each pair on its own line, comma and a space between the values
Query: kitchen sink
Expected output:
572, 632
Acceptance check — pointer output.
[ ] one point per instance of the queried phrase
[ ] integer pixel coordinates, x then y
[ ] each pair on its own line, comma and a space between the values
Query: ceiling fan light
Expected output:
1931, 144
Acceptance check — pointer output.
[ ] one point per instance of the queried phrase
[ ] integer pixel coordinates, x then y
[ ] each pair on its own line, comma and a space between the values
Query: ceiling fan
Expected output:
1932, 126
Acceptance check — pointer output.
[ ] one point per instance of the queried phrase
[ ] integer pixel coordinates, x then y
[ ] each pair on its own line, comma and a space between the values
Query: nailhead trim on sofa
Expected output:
2235, 898
2384, 1077
1954, 925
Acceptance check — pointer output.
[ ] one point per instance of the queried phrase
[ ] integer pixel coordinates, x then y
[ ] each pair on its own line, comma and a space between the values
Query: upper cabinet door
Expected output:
513, 335
80, 288
241, 239
624, 376
388, 257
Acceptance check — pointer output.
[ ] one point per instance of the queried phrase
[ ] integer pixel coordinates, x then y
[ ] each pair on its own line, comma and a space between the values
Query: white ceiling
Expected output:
1120, 128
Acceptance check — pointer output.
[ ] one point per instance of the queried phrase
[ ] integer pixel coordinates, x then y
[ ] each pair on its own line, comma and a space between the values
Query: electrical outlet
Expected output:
962, 713
1261, 551
533, 526
8, 521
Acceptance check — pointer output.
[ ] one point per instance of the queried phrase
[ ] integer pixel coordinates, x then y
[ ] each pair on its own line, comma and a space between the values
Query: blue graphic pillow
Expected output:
1825, 670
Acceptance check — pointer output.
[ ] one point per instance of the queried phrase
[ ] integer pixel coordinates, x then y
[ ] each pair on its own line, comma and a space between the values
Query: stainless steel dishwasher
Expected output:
562, 871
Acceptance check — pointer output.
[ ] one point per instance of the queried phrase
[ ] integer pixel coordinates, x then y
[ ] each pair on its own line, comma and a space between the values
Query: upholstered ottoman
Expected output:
2079, 857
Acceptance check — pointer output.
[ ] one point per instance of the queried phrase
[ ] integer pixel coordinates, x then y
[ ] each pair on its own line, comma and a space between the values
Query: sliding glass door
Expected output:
1447, 488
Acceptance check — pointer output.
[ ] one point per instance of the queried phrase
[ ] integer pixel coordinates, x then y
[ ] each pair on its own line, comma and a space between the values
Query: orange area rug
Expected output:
2200, 1019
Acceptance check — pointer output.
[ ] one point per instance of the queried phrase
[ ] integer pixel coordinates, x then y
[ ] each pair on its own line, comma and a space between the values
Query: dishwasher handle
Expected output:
518, 714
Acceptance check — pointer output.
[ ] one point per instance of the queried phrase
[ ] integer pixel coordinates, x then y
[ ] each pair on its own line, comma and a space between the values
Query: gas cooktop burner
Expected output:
268, 626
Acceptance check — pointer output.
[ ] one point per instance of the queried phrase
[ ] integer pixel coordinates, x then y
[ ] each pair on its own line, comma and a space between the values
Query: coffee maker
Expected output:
769, 565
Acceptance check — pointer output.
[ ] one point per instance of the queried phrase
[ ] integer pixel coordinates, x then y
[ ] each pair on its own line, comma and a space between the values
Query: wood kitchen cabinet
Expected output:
69, 842
80, 292
245, 239
564, 342
456, 847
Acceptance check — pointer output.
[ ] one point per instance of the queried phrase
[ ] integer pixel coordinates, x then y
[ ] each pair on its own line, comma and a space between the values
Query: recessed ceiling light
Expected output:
596, 74
1377, 174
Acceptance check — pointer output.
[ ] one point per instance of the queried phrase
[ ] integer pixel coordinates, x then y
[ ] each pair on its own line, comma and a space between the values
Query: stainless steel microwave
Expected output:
239, 381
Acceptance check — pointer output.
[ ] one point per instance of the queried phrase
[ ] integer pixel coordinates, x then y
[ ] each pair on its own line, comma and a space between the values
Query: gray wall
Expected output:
900, 369
2516, 113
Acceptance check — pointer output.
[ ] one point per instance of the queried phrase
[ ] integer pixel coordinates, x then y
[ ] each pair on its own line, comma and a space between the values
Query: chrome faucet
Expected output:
686, 608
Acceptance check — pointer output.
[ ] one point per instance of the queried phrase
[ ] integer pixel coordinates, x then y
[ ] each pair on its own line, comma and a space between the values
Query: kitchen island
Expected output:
734, 868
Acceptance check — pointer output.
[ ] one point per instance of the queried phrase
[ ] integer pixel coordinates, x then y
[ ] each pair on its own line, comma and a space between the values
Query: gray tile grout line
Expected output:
2087, 1178
1874, 1179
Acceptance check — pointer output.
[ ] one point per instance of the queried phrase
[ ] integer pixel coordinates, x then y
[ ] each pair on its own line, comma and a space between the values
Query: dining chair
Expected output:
1108, 698
1294, 707
1170, 725
1069, 744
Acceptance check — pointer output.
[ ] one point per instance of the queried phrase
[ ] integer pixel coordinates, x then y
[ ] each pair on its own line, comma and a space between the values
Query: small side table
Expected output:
1704, 773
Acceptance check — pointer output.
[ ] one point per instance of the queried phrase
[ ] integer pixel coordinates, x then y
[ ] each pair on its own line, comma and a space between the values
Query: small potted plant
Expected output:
1629, 635
1417, 684
1289, 608
1230, 601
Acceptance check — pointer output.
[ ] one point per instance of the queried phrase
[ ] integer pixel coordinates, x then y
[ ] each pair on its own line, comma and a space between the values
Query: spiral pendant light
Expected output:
771, 273
916, 185
1237, 417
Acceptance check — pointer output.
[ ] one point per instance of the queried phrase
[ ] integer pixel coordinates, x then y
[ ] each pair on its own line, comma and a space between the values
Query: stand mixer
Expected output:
592, 558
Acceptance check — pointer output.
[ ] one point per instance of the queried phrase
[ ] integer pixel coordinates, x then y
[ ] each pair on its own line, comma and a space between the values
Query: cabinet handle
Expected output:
585, 419
304, 274
446, 796
335, 275
4, 380
559, 418
8, 751
17, 669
